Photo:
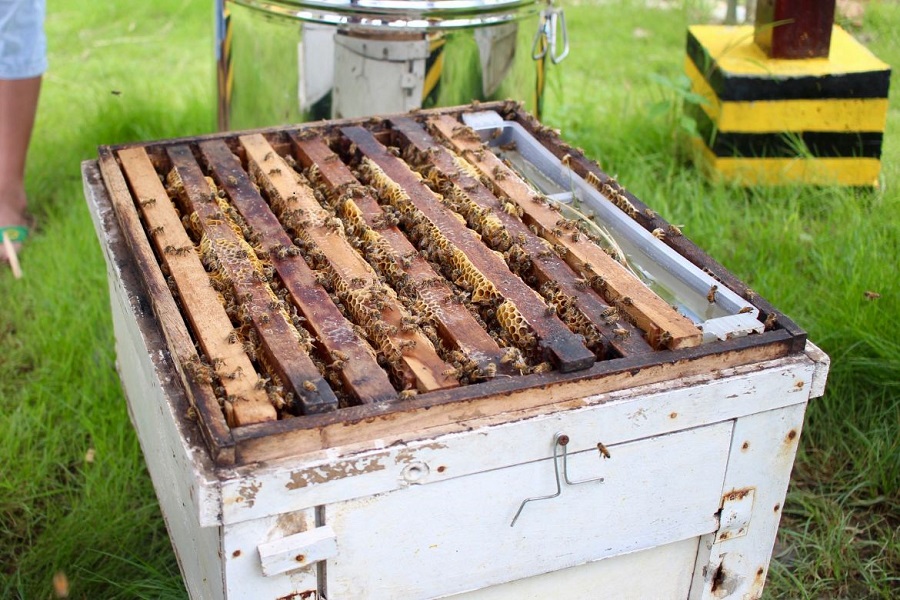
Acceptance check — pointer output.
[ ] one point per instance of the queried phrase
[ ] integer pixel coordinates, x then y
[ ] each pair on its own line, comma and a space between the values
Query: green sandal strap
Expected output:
14, 233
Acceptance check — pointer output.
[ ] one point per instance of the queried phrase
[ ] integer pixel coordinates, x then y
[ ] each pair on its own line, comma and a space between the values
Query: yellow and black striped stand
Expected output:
775, 121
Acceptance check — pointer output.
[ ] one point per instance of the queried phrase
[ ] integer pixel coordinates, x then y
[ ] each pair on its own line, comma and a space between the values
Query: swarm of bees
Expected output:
391, 285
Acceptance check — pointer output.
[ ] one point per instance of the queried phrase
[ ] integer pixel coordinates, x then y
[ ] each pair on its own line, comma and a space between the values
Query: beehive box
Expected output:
372, 359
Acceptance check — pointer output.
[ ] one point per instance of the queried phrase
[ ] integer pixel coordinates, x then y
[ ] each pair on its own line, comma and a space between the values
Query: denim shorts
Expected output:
23, 44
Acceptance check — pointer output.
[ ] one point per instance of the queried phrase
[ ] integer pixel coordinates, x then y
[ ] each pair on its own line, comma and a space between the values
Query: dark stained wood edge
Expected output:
554, 337
413, 418
360, 374
282, 350
650, 220
211, 418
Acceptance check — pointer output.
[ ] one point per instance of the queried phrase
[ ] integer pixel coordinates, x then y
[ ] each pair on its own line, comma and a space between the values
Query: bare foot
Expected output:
13, 206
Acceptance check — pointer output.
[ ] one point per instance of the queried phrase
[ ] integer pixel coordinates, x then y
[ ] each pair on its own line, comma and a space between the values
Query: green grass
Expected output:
813, 252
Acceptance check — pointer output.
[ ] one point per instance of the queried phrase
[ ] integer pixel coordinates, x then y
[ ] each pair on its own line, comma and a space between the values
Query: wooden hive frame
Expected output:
213, 178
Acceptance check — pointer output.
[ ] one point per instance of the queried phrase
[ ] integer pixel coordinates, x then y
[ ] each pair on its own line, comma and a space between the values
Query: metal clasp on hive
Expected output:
560, 440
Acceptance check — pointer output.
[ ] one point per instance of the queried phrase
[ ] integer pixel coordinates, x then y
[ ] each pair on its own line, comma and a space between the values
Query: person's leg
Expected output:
23, 59
18, 105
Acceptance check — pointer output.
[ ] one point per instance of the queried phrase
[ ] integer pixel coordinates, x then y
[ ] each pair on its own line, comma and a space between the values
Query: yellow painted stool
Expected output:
775, 121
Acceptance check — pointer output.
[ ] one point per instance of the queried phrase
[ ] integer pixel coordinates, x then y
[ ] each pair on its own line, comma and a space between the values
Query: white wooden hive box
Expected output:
627, 449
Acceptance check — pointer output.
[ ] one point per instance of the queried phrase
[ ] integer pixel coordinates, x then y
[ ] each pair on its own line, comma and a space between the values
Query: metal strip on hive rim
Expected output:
348, 281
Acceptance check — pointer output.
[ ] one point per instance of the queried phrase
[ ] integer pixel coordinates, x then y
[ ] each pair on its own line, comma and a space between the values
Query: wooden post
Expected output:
794, 28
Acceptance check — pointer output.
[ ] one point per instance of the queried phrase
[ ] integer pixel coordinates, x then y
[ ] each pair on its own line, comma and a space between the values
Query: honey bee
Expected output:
621, 332
603, 451
610, 314
627, 301
543, 367
407, 344
745, 310
770, 321
157, 230
489, 371
576, 236
675, 230
659, 233
407, 394
451, 372
581, 283
147, 202
550, 310
665, 339
711, 294
309, 386
269, 156
232, 337
509, 355
232, 180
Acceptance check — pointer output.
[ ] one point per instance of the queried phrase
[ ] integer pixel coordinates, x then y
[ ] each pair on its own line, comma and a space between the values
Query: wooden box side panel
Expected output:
444, 538
176, 457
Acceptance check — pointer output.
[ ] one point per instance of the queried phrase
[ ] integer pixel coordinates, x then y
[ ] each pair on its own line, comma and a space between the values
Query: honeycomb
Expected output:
394, 311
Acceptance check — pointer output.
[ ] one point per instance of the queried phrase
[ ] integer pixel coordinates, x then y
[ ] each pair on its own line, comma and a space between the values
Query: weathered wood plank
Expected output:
453, 410
664, 325
340, 346
521, 310
410, 353
632, 413
200, 394
245, 403
456, 326
582, 301
284, 351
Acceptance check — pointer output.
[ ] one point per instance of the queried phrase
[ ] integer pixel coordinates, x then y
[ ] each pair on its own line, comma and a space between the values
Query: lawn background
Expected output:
126, 71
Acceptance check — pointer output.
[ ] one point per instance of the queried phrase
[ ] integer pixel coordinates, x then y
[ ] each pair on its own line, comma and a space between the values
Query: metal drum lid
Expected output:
398, 13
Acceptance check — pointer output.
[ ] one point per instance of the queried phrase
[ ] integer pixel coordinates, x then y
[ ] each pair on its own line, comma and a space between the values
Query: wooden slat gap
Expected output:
201, 395
410, 354
349, 358
476, 354
284, 351
664, 325
244, 403
576, 301
519, 308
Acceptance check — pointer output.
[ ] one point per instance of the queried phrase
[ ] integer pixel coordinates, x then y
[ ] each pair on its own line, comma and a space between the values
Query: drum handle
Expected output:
551, 27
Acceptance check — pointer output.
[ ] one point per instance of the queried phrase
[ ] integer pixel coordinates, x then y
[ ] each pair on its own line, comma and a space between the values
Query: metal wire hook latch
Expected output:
559, 440
553, 18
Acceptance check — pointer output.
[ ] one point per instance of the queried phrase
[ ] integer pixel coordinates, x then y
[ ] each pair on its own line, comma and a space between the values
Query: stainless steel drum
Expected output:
287, 61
